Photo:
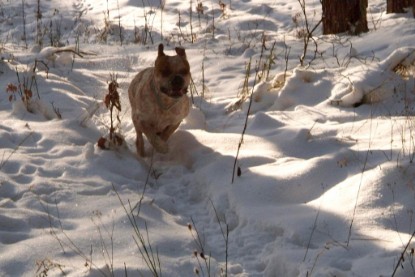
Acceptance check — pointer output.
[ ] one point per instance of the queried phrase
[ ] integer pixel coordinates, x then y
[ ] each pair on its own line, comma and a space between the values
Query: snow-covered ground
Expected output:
324, 183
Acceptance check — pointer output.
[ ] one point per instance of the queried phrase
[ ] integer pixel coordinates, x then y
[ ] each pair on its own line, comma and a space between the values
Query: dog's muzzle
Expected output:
177, 82
177, 87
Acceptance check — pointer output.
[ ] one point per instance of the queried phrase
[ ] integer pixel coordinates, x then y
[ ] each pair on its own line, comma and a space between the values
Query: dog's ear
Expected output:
161, 50
181, 52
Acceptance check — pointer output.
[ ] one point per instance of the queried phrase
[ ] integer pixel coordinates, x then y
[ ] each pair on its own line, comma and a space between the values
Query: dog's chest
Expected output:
168, 112
160, 109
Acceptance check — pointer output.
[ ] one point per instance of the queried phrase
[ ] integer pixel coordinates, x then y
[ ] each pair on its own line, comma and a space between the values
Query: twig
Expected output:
69, 242
312, 232
360, 183
286, 57
247, 116
393, 213
138, 205
4, 161
119, 21
225, 236
402, 258
150, 257
309, 33
192, 35
24, 23
199, 243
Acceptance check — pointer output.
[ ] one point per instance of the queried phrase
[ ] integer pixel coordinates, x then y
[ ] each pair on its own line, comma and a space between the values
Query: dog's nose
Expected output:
177, 81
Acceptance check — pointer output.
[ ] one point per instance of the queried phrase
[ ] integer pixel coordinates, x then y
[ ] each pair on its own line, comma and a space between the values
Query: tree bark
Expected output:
397, 6
341, 16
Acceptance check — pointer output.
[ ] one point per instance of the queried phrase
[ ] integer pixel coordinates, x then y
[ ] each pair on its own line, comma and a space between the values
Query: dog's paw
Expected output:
161, 146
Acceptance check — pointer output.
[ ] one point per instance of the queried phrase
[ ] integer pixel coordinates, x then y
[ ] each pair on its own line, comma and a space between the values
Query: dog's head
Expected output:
172, 73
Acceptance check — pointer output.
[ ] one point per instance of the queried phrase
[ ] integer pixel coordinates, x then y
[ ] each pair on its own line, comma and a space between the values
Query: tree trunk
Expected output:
397, 6
341, 16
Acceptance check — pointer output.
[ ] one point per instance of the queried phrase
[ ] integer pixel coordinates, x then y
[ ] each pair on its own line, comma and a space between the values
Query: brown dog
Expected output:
158, 99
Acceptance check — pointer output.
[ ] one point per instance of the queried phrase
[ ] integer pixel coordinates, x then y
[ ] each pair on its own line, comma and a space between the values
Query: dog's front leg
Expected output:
139, 143
169, 131
155, 140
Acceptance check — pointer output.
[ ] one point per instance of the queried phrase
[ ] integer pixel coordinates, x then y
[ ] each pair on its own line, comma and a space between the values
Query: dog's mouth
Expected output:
175, 86
174, 92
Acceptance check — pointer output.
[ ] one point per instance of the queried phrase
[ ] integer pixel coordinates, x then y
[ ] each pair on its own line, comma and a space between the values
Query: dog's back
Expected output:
137, 88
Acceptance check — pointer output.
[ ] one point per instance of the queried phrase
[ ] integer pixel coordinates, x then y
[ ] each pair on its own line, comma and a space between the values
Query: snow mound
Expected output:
373, 83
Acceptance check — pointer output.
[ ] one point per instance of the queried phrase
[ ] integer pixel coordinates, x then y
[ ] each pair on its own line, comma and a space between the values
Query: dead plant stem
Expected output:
247, 116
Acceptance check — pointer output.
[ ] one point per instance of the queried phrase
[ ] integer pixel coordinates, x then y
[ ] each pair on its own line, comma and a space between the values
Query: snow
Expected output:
324, 179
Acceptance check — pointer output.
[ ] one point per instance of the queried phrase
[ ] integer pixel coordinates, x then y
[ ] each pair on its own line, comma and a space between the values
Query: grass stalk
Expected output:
401, 259
361, 181
246, 118
225, 235
312, 232
198, 240
24, 38
5, 160
119, 22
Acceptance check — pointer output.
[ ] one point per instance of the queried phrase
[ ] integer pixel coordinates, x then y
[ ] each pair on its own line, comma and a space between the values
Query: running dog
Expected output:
159, 101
